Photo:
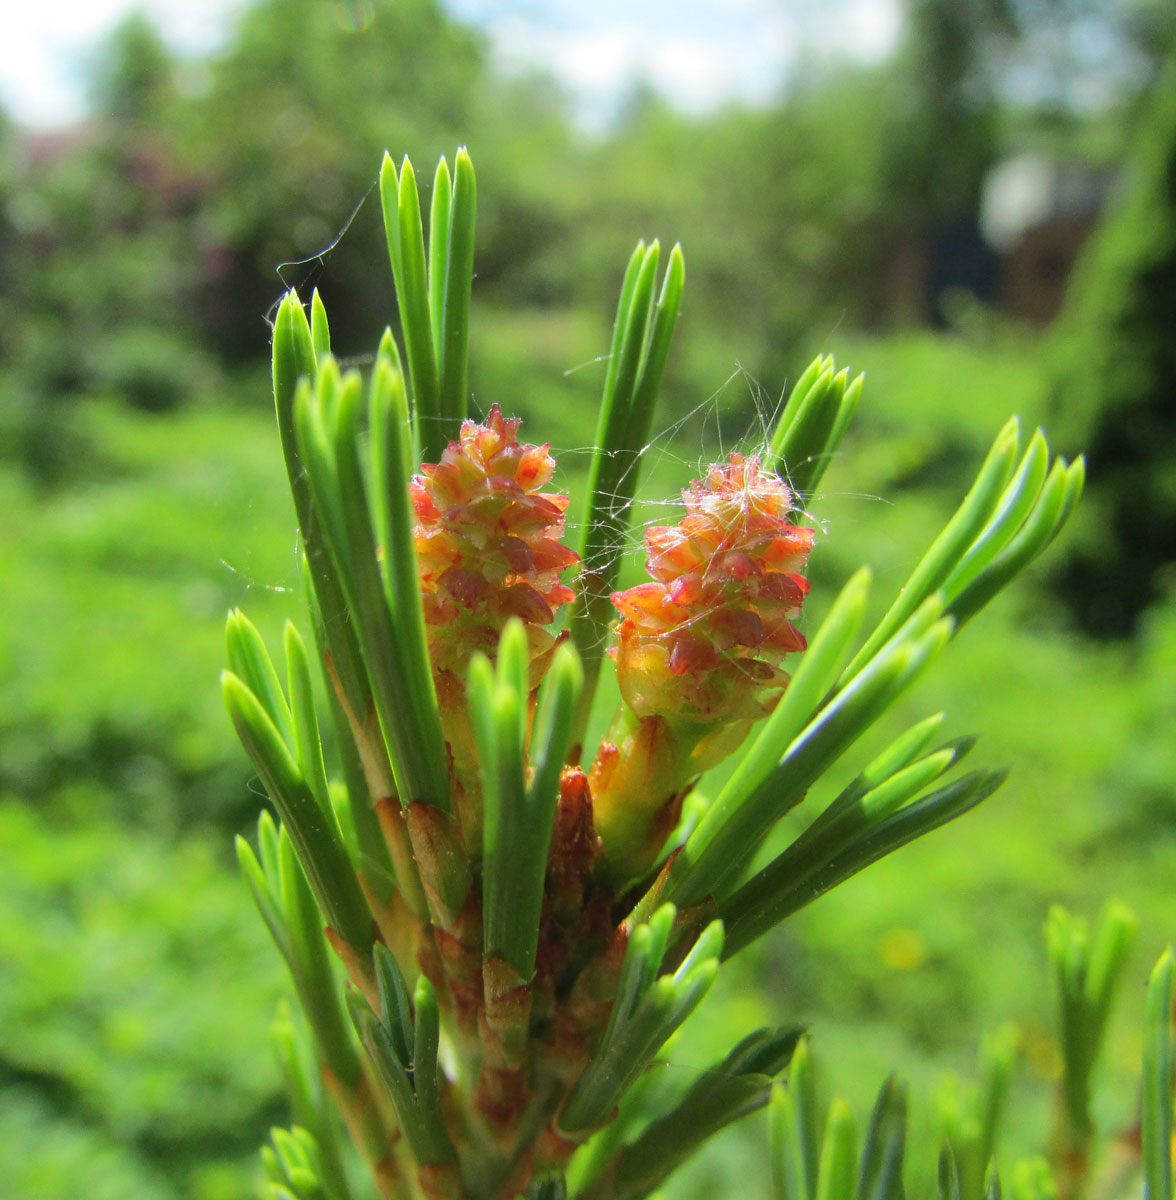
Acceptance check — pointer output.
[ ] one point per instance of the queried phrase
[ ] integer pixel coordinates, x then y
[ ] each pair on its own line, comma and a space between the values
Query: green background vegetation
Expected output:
143, 496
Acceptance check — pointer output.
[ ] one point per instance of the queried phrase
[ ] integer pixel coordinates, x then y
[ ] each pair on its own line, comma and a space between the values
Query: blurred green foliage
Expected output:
118, 939
1117, 378
143, 496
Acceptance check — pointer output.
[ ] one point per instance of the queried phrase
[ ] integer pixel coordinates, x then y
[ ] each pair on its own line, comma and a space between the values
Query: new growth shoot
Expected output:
494, 926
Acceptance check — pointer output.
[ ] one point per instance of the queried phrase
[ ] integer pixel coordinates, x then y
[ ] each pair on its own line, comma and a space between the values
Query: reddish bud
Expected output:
487, 541
703, 640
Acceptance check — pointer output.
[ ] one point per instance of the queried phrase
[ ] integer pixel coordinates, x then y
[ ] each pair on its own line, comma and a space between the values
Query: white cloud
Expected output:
697, 52
695, 68
872, 28
46, 46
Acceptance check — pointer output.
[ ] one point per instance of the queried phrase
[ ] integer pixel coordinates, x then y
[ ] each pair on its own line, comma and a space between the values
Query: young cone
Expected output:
699, 651
488, 548
487, 542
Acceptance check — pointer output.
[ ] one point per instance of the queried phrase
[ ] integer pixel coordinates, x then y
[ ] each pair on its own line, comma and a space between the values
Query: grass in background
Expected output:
119, 900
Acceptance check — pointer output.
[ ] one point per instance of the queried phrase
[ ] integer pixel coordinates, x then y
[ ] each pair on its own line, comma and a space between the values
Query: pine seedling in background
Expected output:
818, 1156
972, 1119
816, 1153
1087, 968
492, 924
1156, 1123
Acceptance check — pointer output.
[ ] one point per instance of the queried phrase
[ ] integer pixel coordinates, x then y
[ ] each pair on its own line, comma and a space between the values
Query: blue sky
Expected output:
698, 52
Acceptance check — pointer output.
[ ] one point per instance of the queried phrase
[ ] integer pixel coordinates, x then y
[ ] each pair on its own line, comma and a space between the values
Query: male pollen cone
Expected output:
703, 640
487, 542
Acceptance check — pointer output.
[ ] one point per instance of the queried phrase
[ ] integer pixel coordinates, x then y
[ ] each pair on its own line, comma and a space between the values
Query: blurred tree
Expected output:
941, 125
1116, 383
941, 128
779, 208
101, 267
132, 74
532, 187
289, 137
9, 156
